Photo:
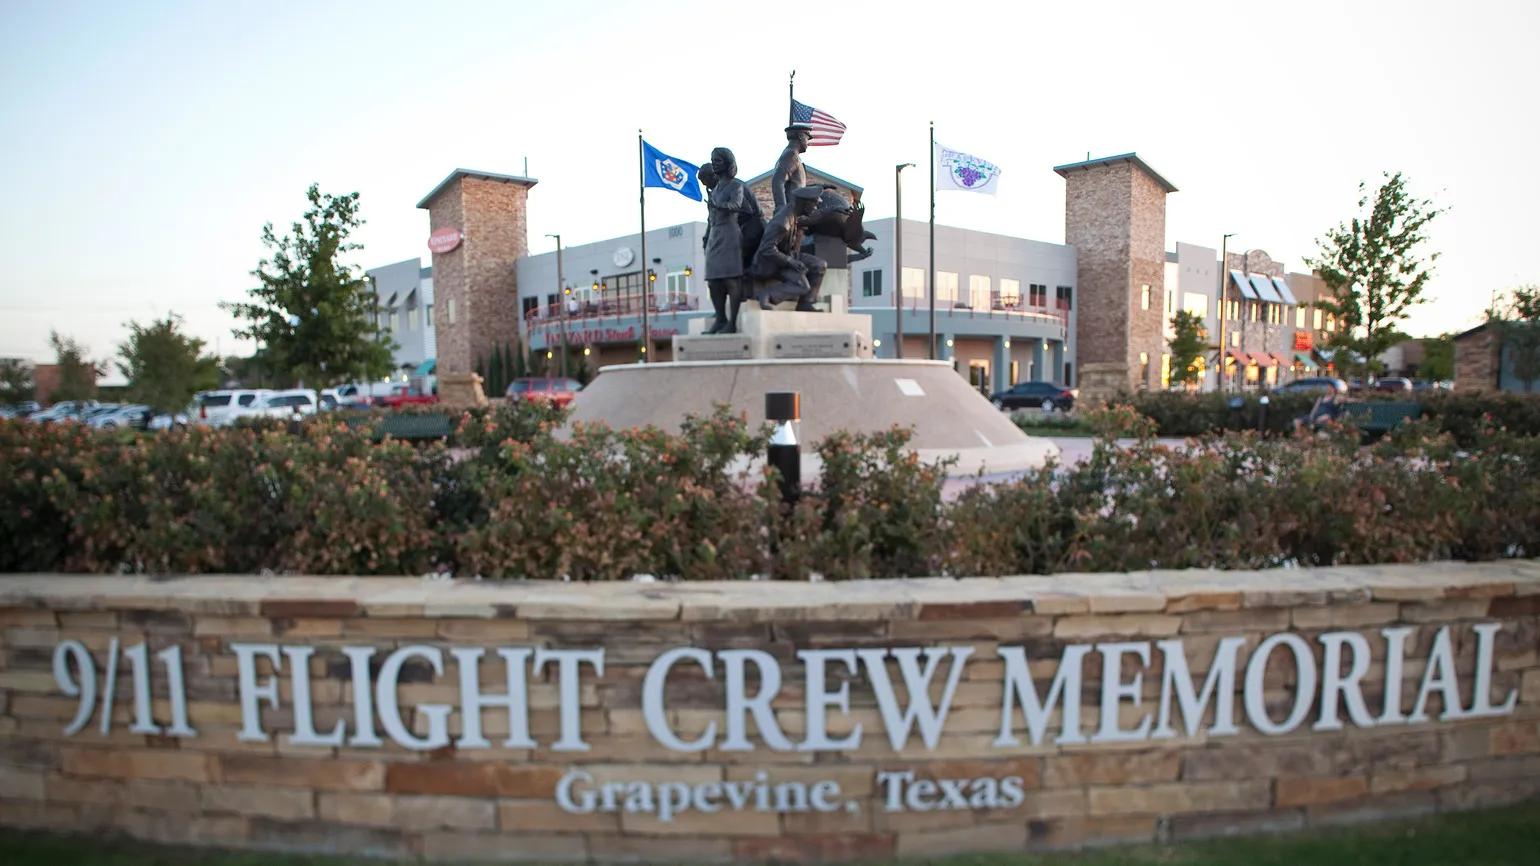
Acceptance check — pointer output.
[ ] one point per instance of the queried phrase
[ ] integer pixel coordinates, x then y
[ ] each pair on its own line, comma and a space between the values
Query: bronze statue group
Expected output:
772, 261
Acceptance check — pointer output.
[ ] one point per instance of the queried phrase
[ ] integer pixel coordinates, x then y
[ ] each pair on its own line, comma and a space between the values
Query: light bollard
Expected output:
1262, 415
784, 410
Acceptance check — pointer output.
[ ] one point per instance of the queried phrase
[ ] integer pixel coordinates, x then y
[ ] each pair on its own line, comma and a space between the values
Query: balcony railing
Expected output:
996, 310
588, 313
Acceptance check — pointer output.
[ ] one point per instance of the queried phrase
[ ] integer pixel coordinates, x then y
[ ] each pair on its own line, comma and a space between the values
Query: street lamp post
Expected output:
561, 301
898, 258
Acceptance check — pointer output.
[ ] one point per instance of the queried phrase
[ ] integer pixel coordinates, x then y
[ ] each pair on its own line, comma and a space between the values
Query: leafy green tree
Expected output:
17, 381
1375, 270
1437, 358
1189, 342
77, 373
164, 366
315, 318
1517, 318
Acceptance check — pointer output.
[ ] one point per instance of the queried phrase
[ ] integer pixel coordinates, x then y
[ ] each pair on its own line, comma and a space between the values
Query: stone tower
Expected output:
475, 282
1115, 218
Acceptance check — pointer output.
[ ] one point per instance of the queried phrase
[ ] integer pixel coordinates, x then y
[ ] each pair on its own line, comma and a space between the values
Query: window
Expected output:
1039, 295
411, 320
871, 284
676, 288
427, 316
215, 401
1299, 317
1235, 338
451, 311
978, 291
1317, 320
1010, 293
1015, 373
1331, 322
1196, 304
550, 300
1144, 369
1170, 303
623, 289
530, 305
1165, 371
1068, 368
1065, 297
946, 286
1144, 297
246, 399
914, 282
1256, 311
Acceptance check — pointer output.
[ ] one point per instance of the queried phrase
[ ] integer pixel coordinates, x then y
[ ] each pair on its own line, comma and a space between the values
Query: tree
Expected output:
77, 373
1374, 270
1437, 358
17, 382
1188, 344
1517, 319
314, 318
164, 366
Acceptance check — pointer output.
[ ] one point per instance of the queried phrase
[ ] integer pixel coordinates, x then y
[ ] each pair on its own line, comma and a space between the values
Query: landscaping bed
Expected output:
507, 498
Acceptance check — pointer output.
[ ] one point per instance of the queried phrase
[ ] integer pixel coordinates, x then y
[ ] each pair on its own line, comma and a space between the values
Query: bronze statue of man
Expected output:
732, 219
787, 273
790, 176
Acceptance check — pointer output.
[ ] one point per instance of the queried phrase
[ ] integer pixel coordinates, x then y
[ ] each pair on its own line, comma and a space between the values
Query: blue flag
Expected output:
660, 169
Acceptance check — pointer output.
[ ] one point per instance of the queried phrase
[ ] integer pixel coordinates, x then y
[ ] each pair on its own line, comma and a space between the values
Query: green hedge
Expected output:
512, 499
1462, 414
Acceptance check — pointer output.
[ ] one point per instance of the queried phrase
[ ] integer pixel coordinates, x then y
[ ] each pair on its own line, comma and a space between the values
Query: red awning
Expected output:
1239, 356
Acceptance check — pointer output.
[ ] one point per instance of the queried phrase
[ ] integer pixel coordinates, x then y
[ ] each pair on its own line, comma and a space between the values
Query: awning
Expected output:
1244, 285
1304, 358
426, 368
1265, 290
1241, 357
1283, 290
1264, 359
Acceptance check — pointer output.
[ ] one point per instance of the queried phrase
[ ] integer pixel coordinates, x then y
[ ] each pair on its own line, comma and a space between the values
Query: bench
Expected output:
1380, 417
413, 427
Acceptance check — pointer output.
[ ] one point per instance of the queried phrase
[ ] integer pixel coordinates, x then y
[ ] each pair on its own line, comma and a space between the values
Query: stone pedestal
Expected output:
1102, 381
461, 391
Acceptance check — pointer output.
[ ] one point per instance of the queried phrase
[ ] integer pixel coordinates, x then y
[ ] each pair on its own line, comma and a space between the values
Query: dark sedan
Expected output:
1036, 395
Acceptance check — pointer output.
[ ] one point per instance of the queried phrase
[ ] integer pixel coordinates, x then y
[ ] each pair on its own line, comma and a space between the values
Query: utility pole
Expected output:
1223, 308
561, 300
898, 258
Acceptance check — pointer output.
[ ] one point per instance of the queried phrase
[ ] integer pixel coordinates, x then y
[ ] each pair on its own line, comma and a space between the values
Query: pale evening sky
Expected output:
146, 143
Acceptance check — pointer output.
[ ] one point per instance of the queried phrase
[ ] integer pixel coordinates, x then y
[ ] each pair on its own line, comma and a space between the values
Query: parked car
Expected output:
67, 410
557, 390
1393, 384
1425, 385
130, 415
1036, 395
20, 410
220, 408
1315, 383
361, 395
402, 395
284, 404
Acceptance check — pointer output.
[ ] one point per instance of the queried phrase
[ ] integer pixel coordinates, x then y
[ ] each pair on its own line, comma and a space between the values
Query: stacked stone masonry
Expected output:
457, 802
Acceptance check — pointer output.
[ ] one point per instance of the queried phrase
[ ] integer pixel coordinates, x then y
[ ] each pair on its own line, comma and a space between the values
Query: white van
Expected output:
290, 403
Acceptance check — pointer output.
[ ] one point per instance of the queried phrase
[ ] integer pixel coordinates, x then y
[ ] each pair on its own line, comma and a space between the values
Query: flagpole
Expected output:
791, 99
641, 182
933, 240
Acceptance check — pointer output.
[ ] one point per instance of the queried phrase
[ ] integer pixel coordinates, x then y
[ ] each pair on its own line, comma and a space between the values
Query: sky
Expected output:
145, 144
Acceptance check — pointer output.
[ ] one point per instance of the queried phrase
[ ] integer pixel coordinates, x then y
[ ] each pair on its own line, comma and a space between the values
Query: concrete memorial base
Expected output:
761, 721
827, 357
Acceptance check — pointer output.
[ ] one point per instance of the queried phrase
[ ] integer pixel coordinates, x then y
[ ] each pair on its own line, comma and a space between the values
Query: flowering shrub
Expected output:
517, 496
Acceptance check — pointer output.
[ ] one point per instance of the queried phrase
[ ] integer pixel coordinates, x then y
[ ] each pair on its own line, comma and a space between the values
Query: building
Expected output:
405, 293
1093, 312
1482, 362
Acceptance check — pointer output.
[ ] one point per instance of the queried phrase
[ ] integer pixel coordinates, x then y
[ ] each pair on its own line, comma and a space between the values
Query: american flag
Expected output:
826, 130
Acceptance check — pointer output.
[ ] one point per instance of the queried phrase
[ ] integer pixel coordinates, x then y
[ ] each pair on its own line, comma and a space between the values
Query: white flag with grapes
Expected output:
964, 172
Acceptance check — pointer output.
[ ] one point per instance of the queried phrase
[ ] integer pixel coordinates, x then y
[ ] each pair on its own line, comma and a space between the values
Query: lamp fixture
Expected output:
688, 270
586, 350
949, 342
876, 344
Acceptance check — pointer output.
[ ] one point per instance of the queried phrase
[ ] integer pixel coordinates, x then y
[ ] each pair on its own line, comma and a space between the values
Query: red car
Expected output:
558, 391
403, 396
